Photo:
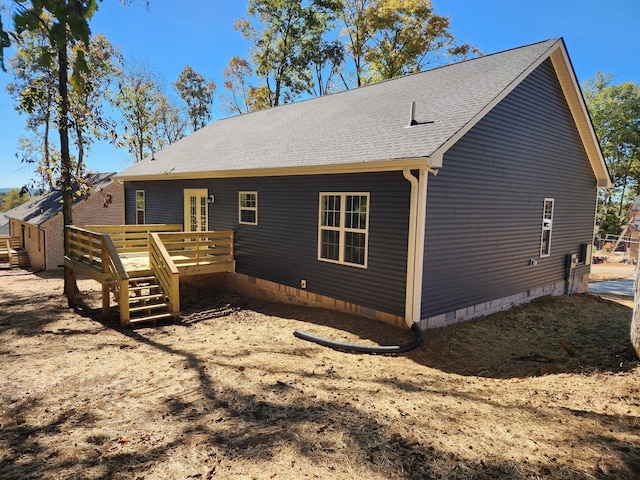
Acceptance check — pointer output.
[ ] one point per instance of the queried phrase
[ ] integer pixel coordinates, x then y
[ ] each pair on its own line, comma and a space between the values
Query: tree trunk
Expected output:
635, 334
47, 157
80, 151
635, 320
70, 285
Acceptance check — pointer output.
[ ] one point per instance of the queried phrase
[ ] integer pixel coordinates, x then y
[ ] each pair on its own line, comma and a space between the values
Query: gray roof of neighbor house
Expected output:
44, 207
368, 128
4, 224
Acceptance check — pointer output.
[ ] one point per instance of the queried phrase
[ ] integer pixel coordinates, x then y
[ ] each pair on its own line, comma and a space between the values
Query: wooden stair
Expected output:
22, 259
147, 301
13, 253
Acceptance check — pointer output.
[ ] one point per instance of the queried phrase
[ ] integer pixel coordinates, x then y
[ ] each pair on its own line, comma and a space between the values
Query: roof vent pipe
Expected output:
412, 118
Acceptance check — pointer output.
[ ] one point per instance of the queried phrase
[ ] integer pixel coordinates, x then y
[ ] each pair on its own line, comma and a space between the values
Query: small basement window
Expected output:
140, 207
343, 228
248, 208
547, 227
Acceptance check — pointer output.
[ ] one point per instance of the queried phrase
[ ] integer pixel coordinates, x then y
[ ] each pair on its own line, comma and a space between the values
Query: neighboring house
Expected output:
39, 222
4, 225
329, 202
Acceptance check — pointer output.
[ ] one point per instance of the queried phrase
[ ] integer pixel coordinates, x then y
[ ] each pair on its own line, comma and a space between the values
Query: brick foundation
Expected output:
581, 285
263, 289
275, 292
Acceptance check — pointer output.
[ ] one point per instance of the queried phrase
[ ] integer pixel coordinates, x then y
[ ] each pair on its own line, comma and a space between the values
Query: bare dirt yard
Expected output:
547, 390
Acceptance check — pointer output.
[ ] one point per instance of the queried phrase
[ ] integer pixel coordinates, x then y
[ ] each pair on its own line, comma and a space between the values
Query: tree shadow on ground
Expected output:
565, 334
20, 310
261, 427
234, 426
256, 427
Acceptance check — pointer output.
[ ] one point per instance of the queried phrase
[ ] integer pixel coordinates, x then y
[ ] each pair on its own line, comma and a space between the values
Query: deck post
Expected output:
106, 300
124, 302
174, 295
106, 290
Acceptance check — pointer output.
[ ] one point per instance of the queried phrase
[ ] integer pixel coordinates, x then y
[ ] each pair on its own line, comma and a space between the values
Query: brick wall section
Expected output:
29, 236
34, 245
89, 212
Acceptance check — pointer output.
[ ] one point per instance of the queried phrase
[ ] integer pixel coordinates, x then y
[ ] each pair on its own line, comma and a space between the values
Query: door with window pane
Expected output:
196, 211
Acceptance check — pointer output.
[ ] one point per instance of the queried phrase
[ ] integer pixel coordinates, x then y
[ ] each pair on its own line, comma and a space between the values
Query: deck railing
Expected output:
195, 252
133, 238
96, 251
9, 249
166, 272
97, 255
86, 248
119, 278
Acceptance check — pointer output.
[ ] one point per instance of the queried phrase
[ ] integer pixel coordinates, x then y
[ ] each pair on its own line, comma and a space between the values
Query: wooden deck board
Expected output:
135, 263
138, 264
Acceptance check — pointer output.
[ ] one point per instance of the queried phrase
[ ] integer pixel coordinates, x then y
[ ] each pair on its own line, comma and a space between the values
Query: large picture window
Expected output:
140, 207
248, 208
547, 227
343, 228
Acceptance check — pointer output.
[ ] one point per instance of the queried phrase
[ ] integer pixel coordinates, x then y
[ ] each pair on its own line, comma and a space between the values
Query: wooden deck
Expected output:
12, 253
119, 257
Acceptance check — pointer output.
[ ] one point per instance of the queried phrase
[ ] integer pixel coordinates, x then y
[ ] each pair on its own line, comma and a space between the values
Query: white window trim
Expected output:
144, 209
342, 229
548, 227
252, 209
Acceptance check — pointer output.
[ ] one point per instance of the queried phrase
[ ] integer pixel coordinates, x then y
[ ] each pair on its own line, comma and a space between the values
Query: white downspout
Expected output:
411, 247
421, 223
415, 250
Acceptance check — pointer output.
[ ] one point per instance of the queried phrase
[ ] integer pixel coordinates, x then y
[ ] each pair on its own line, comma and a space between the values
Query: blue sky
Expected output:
600, 36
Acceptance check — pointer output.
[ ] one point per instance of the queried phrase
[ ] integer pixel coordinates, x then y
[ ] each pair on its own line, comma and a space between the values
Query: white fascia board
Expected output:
362, 167
573, 94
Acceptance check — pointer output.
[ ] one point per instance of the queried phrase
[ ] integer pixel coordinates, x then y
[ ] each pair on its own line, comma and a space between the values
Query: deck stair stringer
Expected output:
147, 302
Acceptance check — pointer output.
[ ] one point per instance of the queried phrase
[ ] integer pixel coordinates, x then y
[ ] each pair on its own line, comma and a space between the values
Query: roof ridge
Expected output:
360, 131
381, 82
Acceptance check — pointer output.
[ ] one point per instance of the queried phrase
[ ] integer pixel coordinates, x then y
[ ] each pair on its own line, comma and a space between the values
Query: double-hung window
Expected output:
343, 228
140, 207
547, 227
248, 208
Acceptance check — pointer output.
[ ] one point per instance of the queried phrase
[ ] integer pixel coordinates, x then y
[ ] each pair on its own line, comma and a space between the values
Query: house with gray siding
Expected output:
431, 198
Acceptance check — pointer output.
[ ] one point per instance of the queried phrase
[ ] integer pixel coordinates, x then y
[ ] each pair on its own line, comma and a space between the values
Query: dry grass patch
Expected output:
232, 394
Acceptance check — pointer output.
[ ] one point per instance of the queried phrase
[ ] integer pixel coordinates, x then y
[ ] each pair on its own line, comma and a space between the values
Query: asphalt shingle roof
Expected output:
44, 207
4, 224
368, 124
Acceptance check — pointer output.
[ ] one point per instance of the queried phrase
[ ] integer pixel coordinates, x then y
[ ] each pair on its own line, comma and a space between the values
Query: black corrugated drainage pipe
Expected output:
375, 350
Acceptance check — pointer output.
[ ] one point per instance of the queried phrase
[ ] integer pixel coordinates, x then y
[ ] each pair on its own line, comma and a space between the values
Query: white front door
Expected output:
196, 211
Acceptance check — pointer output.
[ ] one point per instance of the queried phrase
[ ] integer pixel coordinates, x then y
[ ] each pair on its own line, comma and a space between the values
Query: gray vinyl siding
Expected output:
283, 246
484, 211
